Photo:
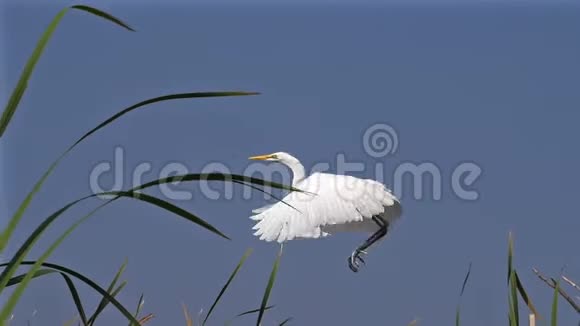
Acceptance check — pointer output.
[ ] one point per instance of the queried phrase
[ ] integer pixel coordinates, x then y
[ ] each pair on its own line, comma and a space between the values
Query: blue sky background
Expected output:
488, 83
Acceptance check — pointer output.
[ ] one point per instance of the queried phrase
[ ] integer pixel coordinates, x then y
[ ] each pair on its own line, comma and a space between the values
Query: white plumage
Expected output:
330, 203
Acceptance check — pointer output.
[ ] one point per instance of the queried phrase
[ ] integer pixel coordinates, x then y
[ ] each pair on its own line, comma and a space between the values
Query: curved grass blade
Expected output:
510, 256
174, 209
88, 282
525, 296
74, 293
248, 312
139, 306
160, 99
457, 316
235, 178
17, 279
110, 290
15, 100
465, 280
13, 223
7, 232
514, 298
22, 83
268, 193
224, 177
104, 15
76, 298
269, 287
224, 288
285, 321
511, 318
16, 261
167, 206
145, 319
114, 293
30, 241
512, 285
253, 311
25, 248
215, 177
555, 303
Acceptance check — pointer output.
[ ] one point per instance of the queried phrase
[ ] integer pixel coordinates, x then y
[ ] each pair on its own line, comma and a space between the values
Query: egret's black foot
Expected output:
355, 260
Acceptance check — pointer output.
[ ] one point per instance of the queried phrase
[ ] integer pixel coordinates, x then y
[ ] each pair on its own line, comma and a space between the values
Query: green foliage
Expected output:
112, 291
516, 290
22, 83
21, 281
139, 306
224, 288
15, 98
87, 281
514, 317
271, 281
76, 298
457, 312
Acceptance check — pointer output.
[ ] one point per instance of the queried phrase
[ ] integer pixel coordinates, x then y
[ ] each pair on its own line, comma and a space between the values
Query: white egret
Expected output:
330, 203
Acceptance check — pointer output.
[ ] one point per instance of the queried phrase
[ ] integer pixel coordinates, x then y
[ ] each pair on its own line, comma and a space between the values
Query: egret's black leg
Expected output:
355, 258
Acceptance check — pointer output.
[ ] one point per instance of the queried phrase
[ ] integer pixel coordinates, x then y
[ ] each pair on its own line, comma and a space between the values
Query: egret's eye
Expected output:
274, 156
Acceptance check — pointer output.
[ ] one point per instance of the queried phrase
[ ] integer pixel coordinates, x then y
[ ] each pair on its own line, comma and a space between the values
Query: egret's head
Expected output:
281, 157
286, 159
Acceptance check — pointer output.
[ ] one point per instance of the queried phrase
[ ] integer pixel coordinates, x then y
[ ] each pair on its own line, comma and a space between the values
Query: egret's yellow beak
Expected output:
261, 157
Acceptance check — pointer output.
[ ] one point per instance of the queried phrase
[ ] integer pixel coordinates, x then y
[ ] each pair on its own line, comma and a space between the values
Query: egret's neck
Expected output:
297, 171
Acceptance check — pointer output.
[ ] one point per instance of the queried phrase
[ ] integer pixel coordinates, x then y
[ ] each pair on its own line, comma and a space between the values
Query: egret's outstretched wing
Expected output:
338, 200
261, 209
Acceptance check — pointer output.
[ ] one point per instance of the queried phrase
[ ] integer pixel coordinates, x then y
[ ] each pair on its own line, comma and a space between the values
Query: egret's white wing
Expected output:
261, 209
337, 200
